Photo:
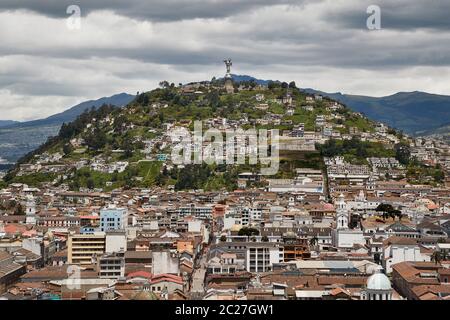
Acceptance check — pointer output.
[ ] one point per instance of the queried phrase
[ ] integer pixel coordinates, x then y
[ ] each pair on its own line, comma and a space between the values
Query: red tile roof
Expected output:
166, 277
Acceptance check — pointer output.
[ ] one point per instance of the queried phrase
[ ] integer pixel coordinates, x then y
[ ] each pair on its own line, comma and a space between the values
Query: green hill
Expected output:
112, 135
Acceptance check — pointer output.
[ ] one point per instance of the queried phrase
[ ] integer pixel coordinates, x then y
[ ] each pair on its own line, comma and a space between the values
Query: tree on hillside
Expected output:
96, 140
402, 153
90, 184
201, 173
438, 175
164, 84
67, 148
273, 85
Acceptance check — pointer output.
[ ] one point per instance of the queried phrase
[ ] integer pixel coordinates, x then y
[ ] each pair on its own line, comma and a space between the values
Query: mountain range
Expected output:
6, 123
416, 113
70, 114
243, 78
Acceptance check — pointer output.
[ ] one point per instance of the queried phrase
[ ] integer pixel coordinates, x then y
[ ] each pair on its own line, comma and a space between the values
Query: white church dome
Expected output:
378, 281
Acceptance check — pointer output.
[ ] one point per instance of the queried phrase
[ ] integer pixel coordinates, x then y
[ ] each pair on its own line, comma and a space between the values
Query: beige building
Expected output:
82, 247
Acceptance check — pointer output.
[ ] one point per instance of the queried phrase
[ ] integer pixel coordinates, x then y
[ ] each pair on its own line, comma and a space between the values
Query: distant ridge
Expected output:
6, 123
69, 115
413, 112
242, 78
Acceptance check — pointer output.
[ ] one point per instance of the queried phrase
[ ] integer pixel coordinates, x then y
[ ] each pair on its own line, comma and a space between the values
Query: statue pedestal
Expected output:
229, 86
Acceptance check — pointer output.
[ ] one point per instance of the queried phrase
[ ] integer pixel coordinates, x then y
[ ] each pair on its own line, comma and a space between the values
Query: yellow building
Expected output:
82, 247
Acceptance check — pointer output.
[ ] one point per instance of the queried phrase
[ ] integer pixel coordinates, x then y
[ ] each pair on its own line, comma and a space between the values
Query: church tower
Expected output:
342, 216
30, 211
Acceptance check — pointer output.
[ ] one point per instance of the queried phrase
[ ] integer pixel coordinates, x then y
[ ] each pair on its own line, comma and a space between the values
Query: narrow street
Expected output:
199, 277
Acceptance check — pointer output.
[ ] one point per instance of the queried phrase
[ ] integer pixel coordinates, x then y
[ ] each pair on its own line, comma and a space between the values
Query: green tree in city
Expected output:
246, 231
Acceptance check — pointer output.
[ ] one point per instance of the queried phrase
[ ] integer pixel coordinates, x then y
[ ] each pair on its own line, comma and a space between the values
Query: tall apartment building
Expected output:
82, 247
260, 257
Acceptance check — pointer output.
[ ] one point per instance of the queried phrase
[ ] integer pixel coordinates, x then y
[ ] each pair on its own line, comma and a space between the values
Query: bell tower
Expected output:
30, 210
342, 217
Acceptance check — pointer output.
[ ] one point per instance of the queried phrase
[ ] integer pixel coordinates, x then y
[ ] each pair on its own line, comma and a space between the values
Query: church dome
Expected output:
378, 281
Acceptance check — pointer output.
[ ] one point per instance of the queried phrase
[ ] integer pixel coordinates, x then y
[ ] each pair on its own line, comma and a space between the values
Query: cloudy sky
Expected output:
129, 46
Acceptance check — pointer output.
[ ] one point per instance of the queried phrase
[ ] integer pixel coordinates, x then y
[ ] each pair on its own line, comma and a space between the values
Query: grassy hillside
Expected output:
106, 129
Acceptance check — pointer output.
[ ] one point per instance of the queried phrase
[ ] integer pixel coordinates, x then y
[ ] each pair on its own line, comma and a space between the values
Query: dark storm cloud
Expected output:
156, 10
365, 50
405, 15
